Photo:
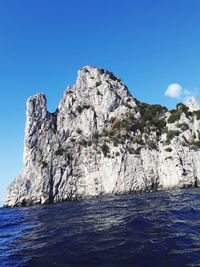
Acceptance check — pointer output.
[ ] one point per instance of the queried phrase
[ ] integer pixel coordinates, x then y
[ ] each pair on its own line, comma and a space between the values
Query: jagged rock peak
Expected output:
37, 105
95, 72
98, 91
90, 77
36, 112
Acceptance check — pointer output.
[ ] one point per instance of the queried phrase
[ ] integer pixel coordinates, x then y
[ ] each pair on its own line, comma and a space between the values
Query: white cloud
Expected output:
174, 90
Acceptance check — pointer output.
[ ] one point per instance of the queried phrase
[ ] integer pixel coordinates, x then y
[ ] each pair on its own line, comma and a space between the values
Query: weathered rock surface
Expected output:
102, 141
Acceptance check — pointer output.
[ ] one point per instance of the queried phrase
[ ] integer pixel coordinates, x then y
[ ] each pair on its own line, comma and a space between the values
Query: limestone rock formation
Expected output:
193, 104
102, 141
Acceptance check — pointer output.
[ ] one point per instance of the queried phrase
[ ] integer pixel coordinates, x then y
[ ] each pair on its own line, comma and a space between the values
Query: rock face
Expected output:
102, 141
193, 104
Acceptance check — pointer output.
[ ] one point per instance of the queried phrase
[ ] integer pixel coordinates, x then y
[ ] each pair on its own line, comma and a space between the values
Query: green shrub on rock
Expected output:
182, 107
197, 114
175, 116
183, 126
152, 145
168, 158
117, 154
105, 149
81, 108
83, 142
98, 84
137, 150
171, 134
79, 131
44, 164
168, 149
59, 152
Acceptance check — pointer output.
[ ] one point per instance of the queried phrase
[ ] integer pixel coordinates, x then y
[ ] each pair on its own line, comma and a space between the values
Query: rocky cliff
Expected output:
102, 141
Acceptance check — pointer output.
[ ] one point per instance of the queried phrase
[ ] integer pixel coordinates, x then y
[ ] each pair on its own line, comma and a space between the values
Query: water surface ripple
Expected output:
148, 229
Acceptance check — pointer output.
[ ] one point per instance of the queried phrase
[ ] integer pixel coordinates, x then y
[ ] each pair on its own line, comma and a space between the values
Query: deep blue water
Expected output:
150, 229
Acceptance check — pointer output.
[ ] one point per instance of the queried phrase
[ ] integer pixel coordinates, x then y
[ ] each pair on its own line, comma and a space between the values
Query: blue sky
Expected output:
149, 44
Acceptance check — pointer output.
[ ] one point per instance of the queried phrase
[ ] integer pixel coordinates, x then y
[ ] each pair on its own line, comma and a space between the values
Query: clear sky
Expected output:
150, 44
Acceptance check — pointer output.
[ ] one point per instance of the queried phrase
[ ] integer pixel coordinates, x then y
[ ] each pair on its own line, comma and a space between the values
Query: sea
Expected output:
147, 229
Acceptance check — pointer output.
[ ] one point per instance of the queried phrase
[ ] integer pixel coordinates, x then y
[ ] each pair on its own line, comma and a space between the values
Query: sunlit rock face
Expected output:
193, 104
102, 141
